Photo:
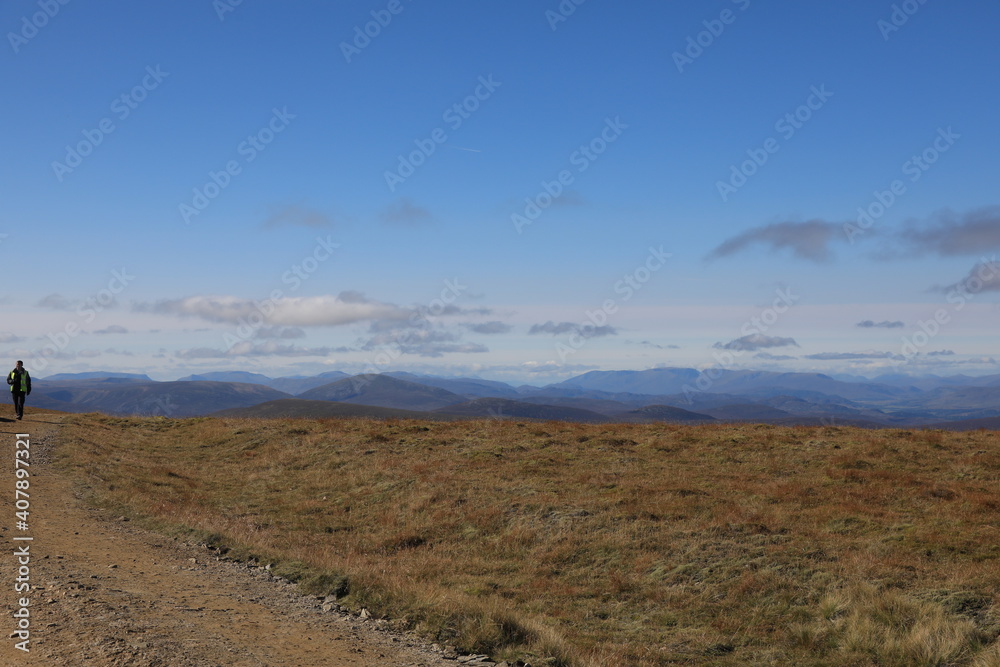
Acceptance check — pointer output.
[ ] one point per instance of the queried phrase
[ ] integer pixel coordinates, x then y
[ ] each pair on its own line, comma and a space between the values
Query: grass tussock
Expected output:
574, 544
891, 627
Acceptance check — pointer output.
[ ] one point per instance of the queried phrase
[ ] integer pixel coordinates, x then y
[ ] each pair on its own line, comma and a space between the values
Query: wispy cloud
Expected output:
552, 367
657, 346
950, 234
494, 327
851, 356
773, 357
404, 212
422, 342
885, 324
113, 329
279, 333
807, 240
248, 349
983, 277
756, 342
584, 331
272, 349
569, 198
55, 302
297, 216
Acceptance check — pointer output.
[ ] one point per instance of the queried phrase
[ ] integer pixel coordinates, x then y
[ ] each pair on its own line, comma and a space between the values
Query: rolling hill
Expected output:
300, 408
667, 413
686, 381
174, 399
503, 408
289, 385
384, 391
229, 376
299, 385
98, 375
471, 387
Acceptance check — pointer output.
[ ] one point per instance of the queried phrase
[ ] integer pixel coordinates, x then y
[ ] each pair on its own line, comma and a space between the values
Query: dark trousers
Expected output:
18, 403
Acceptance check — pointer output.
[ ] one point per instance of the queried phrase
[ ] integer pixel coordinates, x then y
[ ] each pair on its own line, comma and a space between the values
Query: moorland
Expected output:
565, 543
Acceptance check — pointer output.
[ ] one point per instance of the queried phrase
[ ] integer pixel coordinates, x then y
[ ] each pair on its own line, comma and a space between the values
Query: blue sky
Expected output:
517, 190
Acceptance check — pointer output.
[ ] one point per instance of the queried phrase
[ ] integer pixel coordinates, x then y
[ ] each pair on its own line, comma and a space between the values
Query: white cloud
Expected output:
346, 308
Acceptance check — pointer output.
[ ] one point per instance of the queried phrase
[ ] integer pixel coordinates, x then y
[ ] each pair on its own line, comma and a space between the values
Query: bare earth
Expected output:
104, 592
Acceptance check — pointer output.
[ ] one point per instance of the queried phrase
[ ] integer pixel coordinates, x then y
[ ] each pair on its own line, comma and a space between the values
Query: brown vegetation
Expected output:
594, 544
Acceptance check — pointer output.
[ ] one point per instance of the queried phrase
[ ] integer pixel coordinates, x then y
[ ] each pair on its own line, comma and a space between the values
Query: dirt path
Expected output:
106, 593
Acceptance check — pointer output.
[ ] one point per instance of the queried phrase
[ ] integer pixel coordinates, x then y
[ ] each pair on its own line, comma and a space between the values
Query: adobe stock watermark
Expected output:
786, 126
31, 25
86, 313
223, 7
627, 287
900, 16
454, 116
562, 12
160, 406
294, 277
697, 44
122, 107
581, 158
985, 274
22, 497
248, 149
363, 35
915, 167
726, 355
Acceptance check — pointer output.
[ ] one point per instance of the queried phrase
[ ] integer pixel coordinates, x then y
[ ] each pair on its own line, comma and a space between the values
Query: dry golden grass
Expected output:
595, 544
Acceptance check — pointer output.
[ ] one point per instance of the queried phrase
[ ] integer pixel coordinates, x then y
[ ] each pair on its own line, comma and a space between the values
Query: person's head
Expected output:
20, 364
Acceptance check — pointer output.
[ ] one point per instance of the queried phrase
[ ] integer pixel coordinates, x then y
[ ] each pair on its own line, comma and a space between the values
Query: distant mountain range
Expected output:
123, 396
680, 395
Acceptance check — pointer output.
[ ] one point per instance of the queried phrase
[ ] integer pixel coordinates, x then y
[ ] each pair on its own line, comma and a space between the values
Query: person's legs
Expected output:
18, 403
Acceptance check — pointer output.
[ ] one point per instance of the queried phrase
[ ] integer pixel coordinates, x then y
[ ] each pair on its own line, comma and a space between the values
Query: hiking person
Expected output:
20, 386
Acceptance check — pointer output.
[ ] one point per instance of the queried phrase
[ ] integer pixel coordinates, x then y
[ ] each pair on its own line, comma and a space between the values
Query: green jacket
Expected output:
22, 385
